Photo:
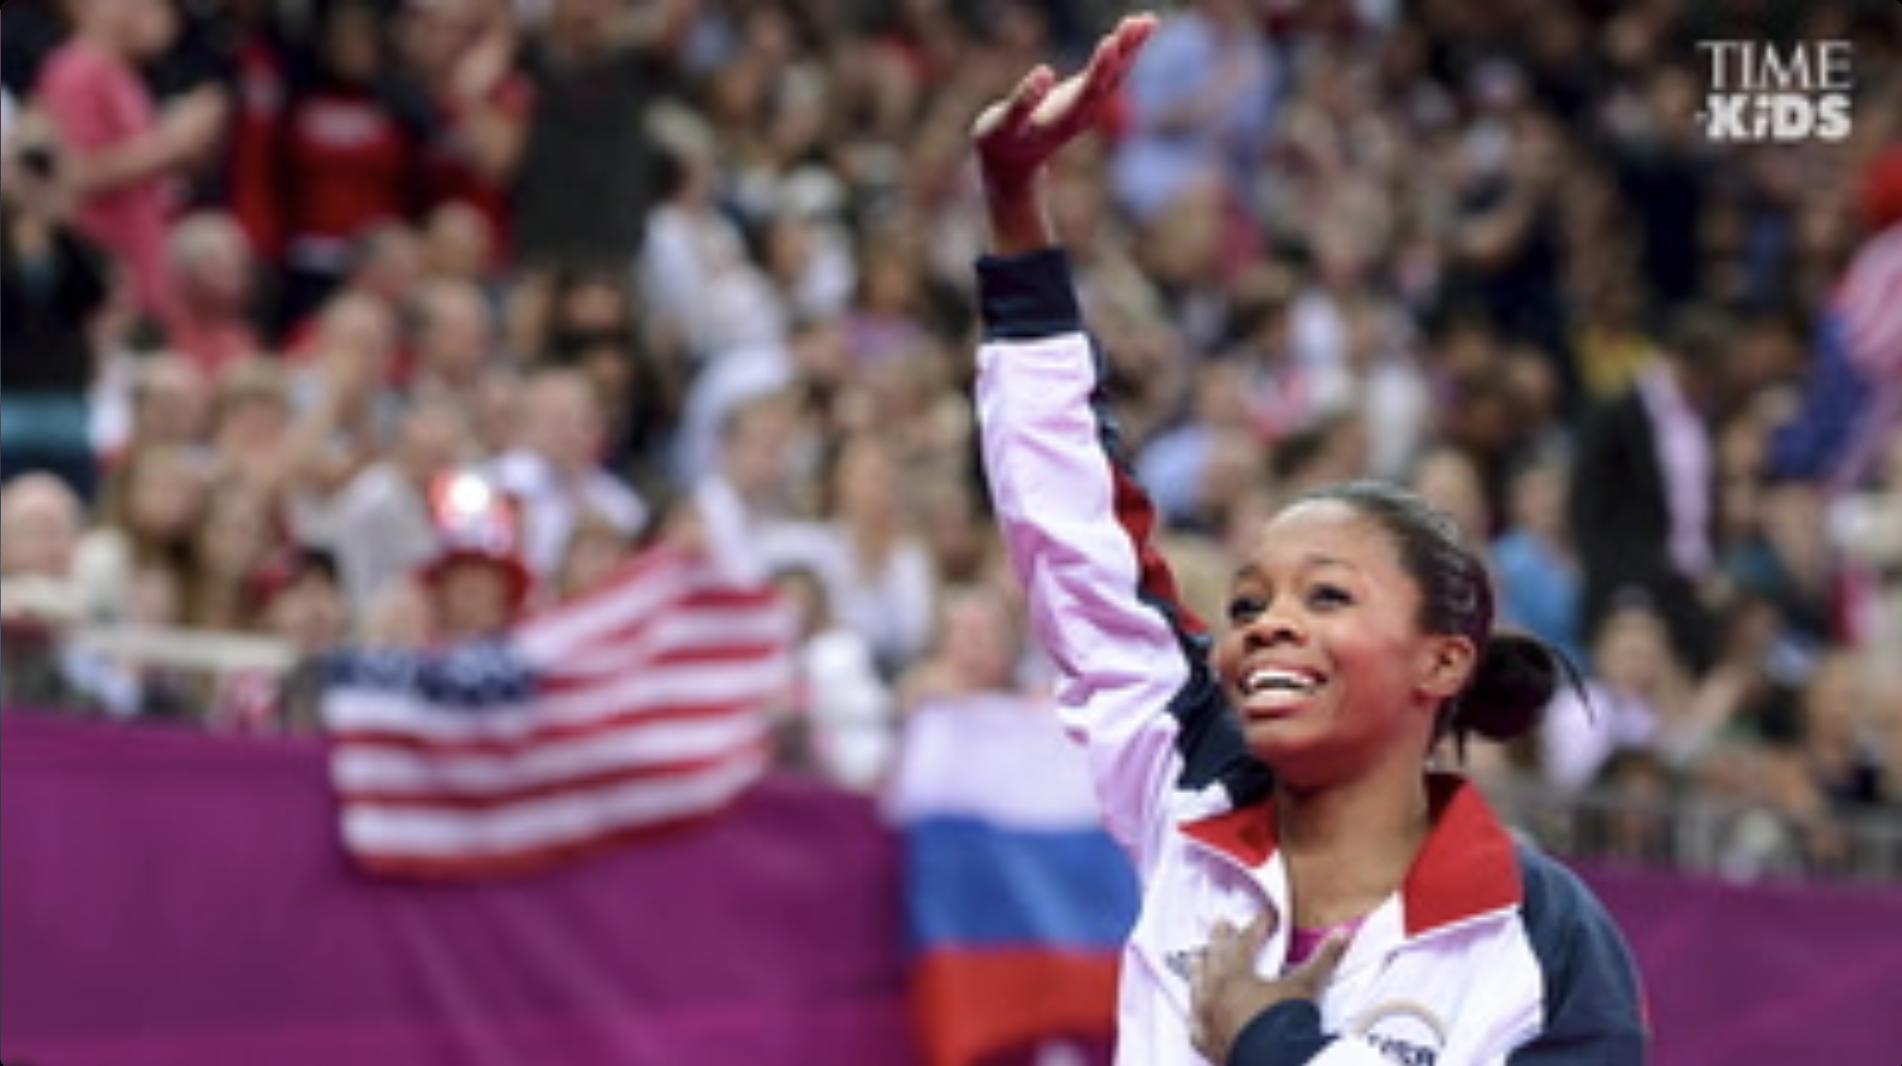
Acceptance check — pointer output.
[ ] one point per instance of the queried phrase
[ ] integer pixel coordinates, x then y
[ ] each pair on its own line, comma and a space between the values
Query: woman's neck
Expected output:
1349, 846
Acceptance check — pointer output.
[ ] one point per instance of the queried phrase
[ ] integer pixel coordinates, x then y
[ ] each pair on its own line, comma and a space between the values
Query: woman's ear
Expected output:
1446, 664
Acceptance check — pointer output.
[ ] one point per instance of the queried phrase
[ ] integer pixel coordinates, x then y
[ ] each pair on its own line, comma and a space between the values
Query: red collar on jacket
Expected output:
1467, 866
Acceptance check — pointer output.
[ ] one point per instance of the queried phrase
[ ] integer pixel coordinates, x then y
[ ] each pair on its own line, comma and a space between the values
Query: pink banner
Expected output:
171, 898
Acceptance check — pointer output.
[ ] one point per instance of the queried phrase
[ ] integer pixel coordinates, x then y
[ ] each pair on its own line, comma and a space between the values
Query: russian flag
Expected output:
1018, 901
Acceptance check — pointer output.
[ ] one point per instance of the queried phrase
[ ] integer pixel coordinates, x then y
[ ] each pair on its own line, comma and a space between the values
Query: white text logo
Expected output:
1760, 92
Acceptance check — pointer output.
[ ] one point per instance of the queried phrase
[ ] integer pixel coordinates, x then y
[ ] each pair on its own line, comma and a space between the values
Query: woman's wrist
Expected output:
1014, 203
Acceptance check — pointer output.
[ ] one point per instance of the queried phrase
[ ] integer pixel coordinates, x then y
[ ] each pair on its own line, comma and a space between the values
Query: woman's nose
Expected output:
1274, 626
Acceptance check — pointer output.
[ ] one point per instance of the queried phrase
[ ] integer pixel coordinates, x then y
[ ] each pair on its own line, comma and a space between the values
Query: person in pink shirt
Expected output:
126, 150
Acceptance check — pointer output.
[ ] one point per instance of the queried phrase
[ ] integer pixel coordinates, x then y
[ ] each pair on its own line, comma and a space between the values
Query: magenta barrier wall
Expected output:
1764, 973
169, 898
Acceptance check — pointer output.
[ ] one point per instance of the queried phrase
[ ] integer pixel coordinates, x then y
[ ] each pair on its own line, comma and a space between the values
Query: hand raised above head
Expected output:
1018, 134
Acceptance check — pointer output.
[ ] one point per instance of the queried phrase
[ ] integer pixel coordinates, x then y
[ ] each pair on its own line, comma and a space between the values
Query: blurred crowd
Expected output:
356, 322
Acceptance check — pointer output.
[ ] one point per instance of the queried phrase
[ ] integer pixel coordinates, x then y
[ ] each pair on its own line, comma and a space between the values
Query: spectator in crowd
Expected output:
878, 574
804, 245
342, 406
385, 264
385, 507
745, 500
841, 723
585, 318
887, 317
1537, 565
1643, 484
296, 597
477, 581
555, 471
1447, 476
977, 646
1637, 685
251, 40
590, 167
1386, 385
462, 55
1841, 730
43, 521
1185, 461
459, 245
127, 150
250, 424
40, 600
812, 358
150, 400
150, 506
40, 525
697, 276
240, 530
1629, 816
1200, 104
131, 685
53, 285
1783, 556
596, 549
209, 320
347, 154
956, 522
456, 351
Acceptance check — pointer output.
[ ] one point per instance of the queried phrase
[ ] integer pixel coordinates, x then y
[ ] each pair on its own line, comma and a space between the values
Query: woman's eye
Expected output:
1242, 608
1329, 596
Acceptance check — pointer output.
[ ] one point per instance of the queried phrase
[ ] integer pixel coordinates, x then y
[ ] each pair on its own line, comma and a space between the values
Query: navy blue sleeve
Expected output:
1286, 1034
1025, 297
1594, 1005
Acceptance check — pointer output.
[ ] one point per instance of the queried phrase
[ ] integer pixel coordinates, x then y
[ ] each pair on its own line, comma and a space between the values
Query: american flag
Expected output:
643, 705
1870, 303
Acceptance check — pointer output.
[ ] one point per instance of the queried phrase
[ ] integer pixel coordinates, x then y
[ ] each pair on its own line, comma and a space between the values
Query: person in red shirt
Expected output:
348, 157
126, 151
463, 54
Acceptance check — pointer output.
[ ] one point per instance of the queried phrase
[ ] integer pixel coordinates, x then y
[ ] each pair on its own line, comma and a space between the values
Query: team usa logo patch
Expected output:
1407, 1033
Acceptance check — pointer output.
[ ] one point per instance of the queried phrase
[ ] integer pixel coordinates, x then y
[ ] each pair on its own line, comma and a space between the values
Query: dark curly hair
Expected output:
1517, 674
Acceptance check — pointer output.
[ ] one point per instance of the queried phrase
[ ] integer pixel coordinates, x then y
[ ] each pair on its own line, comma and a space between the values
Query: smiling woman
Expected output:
1313, 892
1363, 600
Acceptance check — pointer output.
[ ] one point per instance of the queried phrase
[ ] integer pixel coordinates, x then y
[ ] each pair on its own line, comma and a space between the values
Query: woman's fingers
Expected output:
1255, 933
1030, 93
1117, 52
1313, 975
1108, 65
1232, 949
1041, 113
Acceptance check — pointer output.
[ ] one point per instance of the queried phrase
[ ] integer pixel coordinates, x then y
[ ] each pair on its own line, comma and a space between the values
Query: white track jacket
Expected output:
1490, 953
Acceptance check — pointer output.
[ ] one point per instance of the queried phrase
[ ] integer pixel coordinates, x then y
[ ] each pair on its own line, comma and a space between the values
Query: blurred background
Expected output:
278, 274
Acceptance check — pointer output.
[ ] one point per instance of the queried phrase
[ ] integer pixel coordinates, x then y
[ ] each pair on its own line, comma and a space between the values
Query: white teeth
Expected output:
1279, 680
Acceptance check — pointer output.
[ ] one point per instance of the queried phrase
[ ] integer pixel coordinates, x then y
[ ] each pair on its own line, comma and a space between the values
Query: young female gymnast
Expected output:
1313, 891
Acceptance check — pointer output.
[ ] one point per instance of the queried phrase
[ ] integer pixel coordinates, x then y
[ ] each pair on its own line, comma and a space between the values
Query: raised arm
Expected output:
1134, 683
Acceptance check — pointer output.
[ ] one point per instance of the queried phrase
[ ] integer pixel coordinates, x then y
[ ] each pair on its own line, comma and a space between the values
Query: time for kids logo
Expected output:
1769, 93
